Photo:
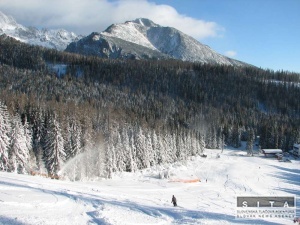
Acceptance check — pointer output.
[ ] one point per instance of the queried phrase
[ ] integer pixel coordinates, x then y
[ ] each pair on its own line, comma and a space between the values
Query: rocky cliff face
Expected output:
104, 46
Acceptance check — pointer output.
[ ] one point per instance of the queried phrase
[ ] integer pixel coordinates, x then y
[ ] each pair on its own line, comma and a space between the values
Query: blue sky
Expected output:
264, 33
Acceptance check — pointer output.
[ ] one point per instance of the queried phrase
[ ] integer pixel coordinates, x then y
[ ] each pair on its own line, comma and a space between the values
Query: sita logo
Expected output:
268, 202
271, 204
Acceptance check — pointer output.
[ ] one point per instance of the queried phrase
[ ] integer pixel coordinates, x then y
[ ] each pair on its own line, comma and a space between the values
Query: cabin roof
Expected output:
271, 151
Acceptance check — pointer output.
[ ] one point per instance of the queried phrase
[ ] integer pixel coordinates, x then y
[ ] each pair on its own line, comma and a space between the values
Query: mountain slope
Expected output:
98, 44
58, 38
159, 40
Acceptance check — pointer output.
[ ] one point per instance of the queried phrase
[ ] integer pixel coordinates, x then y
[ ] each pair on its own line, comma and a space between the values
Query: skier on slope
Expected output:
174, 201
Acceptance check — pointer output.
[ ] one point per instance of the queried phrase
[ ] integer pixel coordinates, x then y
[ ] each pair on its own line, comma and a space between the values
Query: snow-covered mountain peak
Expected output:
143, 39
58, 38
4, 19
8, 22
132, 31
144, 22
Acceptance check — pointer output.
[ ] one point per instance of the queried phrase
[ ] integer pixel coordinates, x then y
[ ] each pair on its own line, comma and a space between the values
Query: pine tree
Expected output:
77, 139
5, 128
236, 137
68, 138
222, 141
193, 143
134, 164
110, 159
98, 155
19, 151
141, 151
149, 149
297, 139
172, 148
28, 134
250, 141
182, 149
161, 155
202, 144
178, 145
38, 132
73, 139
120, 155
90, 158
153, 137
54, 147
128, 157
211, 138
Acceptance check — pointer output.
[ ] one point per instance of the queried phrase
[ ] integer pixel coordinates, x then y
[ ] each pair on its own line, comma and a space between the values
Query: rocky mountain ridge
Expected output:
56, 38
137, 39
143, 39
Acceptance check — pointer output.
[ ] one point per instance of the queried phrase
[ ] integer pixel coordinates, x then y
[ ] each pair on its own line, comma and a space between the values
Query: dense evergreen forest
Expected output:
84, 117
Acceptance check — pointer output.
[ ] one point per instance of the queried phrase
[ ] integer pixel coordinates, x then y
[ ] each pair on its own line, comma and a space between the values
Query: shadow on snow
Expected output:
178, 215
289, 176
5, 220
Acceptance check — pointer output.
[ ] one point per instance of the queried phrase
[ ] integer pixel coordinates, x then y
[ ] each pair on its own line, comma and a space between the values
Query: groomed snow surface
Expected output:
143, 198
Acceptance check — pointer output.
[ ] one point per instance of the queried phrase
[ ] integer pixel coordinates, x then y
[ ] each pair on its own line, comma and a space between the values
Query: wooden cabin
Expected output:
272, 152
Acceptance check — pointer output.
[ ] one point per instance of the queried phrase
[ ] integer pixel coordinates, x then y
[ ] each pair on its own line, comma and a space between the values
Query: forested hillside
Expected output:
80, 116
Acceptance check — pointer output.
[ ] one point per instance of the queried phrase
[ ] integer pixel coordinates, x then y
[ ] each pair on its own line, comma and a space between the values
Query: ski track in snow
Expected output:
142, 198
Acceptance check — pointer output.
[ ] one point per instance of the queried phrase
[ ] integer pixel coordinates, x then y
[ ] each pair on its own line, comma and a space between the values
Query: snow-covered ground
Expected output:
143, 198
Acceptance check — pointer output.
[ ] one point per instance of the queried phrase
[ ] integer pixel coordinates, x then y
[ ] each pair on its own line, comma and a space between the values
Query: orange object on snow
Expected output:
186, 180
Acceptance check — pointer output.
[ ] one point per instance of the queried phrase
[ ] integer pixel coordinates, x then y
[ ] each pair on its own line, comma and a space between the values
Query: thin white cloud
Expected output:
86, 16
231, 53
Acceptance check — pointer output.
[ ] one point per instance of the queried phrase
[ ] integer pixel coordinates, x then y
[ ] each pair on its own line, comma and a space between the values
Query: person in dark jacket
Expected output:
174, 201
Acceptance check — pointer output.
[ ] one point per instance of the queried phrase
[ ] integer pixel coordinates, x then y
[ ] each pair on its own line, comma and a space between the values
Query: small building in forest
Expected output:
296, 149
272, 152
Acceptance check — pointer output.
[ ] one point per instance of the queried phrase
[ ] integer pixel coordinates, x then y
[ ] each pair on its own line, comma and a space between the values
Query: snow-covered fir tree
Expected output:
97, 157
28, 134
5, 128
90, 155
236, 136
19, 147
158, 148
181, 148
211, 138
250, 141
128, 157
149, 149
201, 143
120, 155
153, 137
110, 158
38, 138
73, 138
133, 165
141, 151
54, 147
168, 153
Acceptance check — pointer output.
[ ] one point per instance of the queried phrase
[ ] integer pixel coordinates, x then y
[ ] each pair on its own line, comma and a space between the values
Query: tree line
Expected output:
125, 115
